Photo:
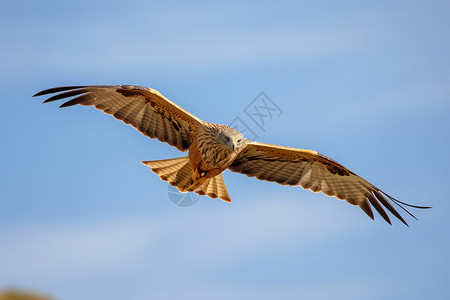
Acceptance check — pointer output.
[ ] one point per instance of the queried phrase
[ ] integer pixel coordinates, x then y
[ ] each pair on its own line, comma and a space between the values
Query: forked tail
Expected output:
178, 172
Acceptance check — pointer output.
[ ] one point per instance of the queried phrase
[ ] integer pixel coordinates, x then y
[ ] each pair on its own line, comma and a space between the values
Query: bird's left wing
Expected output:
143, 108
316, 172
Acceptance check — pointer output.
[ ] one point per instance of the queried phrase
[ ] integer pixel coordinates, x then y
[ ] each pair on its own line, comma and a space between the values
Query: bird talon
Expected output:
196, 175
197, 179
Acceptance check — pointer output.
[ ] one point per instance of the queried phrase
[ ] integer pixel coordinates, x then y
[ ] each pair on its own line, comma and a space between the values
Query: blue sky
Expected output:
365, 83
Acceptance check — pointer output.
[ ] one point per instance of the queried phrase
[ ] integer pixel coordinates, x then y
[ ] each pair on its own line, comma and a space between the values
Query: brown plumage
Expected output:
214, 148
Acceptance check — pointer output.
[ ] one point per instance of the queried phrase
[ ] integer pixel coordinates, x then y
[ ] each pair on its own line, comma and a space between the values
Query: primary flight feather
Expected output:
214, 148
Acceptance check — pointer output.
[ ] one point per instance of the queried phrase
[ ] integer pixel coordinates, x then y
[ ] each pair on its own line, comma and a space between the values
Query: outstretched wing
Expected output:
316, 172
143, 108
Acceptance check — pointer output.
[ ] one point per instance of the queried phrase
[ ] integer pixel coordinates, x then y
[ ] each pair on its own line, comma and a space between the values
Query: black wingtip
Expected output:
387, 205
68, 94
380, 195
365, 206
41, 93
66, 104
400, 203
57, 89
410, 205
378, 208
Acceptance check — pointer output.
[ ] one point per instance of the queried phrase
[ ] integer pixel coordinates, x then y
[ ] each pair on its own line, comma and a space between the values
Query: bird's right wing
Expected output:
316, 172
141, 107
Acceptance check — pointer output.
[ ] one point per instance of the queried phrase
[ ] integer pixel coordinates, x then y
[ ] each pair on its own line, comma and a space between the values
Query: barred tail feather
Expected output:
214, 188
178, 172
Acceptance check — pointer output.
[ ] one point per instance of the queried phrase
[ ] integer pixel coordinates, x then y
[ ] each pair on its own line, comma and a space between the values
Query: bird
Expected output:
213, 148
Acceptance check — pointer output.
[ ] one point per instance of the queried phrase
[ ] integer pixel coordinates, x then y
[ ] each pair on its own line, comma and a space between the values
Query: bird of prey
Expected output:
214, 148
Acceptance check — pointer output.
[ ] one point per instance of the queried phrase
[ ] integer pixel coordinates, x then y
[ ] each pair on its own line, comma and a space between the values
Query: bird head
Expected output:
231, 138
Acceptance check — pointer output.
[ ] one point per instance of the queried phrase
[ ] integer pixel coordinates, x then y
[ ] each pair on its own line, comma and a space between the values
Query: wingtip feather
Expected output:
57, 89
388, 205
366, 208
378, 208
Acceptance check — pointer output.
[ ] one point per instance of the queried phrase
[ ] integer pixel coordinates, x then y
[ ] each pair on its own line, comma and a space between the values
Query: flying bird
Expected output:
213, 148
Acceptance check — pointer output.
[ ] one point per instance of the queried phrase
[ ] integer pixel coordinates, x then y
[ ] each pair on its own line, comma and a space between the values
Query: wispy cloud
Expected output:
101, 247
163, 43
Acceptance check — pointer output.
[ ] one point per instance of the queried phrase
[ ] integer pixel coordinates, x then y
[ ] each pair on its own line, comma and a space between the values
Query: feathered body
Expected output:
215, 148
